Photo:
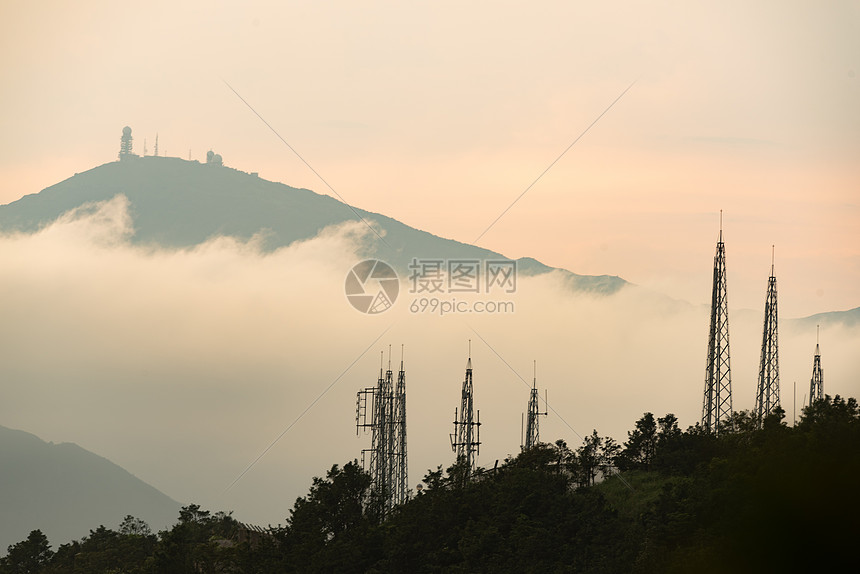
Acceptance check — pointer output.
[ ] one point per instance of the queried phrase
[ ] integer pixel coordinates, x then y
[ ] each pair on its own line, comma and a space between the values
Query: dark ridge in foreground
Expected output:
756, 498
63, 489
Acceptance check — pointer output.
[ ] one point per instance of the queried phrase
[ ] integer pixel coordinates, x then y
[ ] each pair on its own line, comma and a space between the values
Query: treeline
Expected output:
755, 498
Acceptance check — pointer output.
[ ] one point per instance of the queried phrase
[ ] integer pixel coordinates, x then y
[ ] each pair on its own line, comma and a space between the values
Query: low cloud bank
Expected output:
183, 365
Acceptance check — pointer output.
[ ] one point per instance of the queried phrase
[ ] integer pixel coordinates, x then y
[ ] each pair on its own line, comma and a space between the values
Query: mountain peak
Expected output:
181, 203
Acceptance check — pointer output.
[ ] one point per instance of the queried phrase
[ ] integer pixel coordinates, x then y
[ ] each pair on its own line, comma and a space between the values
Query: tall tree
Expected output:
641, 444
589, 459
28, 556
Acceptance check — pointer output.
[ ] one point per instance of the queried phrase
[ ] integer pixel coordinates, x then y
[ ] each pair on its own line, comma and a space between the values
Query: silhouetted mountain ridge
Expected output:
65, 491
179, 203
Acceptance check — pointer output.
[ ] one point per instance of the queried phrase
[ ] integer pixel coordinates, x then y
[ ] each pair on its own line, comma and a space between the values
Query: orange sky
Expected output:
440, 114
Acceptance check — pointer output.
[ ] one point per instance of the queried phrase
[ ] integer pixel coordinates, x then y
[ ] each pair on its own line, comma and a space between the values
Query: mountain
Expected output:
65, 491
849, 318
179, 203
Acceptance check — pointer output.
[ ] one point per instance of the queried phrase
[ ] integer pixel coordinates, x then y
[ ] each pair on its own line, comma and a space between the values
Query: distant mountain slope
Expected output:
179, 203
849, 318
65, 491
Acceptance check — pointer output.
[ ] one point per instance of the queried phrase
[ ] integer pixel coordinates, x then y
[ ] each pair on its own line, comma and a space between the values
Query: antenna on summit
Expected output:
125, 144
721, 226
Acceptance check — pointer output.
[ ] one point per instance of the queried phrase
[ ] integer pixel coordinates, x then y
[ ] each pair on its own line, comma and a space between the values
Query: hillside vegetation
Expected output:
767, 499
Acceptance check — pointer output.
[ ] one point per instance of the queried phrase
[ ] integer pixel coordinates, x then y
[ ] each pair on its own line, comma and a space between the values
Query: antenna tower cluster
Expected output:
382, 410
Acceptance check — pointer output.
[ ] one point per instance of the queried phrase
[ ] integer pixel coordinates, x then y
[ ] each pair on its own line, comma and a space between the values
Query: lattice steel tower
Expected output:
401, 475
532, 430
816, 384
717, 404
466, 438
767, 394
387, 422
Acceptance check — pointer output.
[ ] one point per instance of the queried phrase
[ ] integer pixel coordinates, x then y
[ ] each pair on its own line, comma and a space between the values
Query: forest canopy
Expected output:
758, 496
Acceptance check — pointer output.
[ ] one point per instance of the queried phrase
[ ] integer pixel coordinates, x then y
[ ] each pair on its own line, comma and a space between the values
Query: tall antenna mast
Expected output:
767, 392
401, 475
156, 144
532, 437
816, 384
717, 403
466, 439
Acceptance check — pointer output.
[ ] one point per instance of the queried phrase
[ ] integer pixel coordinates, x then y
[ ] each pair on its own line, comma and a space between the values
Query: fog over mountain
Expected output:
178, 318
179, 203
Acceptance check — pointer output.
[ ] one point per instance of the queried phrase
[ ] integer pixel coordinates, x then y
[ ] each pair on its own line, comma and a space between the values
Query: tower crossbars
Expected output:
717, 403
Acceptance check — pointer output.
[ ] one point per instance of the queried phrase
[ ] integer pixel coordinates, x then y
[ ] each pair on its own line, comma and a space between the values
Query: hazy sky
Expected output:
438, 114
182, 366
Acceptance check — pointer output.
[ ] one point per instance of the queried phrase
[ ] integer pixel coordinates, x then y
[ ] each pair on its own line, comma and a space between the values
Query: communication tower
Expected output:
532, 431
125, 144
767, 392
466, 438
717, 404
816, 384
382, 410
